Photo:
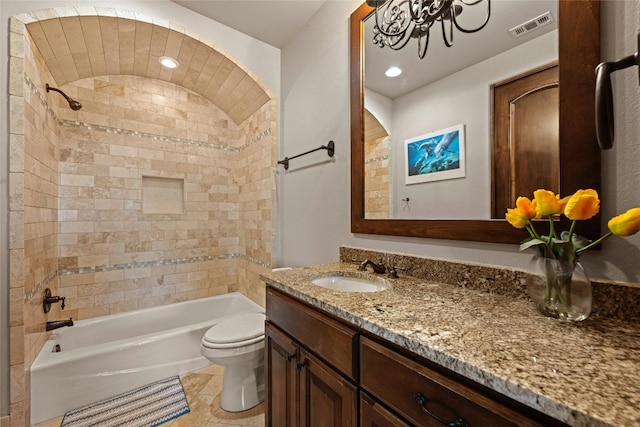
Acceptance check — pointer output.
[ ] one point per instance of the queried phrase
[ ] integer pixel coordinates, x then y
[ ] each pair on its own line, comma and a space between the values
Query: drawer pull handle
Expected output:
422, 401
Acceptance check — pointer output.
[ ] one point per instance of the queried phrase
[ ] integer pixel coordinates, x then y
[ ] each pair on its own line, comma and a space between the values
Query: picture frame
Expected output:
435, 156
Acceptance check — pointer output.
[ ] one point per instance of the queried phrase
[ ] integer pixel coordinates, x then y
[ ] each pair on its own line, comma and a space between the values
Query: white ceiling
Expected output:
467, 49
277, 21
272, 21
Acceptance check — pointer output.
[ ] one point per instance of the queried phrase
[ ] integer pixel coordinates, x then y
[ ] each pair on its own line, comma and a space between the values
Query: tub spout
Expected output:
58, 324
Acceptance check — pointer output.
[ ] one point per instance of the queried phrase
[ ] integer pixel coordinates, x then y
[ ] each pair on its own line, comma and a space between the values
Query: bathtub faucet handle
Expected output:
47, 300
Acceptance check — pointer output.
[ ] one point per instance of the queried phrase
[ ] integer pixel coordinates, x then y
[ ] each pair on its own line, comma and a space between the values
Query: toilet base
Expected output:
242, 387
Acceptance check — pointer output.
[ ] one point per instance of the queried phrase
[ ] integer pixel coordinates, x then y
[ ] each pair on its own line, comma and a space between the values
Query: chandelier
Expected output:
398, 21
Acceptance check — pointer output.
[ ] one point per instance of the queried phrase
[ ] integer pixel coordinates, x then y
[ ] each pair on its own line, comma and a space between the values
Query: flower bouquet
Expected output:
558, 284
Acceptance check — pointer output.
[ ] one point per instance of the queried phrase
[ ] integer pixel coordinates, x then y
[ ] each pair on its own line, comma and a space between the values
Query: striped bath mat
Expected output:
146, 406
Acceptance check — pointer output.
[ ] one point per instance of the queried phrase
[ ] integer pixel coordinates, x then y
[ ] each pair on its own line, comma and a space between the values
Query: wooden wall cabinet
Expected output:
323, 372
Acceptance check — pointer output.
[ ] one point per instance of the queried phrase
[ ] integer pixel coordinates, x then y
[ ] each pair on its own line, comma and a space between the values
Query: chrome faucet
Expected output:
379, 268
55, 324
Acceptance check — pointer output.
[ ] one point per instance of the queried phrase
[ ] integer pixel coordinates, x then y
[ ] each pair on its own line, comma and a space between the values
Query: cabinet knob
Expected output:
422, 401
290, 357
300, 365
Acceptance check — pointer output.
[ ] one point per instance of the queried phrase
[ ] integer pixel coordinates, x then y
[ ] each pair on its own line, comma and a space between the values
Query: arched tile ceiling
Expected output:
76, 47
373, 129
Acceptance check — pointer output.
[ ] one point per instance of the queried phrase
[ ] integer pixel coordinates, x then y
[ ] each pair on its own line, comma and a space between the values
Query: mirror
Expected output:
578, 54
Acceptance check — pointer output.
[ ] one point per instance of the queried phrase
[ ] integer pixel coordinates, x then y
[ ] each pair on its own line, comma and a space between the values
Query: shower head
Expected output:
73, 104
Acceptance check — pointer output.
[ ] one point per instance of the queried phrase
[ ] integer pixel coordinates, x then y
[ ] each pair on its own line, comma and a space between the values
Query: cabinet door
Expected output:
334, 342
373, 414
282, 379
326, 398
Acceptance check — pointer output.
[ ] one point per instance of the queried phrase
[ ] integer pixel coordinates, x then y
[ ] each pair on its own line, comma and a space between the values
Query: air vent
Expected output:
532, 25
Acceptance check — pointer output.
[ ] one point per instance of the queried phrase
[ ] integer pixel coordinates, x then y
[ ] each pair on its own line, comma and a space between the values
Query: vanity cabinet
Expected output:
323, 372
426, 397
373, 414
310, 367
282, 378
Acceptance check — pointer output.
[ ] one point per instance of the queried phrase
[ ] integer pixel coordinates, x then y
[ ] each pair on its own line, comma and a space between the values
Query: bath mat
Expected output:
146, 406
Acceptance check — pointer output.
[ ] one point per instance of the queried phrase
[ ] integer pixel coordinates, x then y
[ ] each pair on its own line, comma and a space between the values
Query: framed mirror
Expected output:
578, 34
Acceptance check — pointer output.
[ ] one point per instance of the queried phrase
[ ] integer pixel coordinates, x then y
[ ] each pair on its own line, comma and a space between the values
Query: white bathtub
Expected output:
106, 356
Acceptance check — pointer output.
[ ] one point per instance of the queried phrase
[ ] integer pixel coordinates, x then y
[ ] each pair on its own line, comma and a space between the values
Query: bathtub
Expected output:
106, 356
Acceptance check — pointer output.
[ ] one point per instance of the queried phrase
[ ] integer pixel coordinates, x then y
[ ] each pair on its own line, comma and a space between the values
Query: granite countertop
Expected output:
584, 374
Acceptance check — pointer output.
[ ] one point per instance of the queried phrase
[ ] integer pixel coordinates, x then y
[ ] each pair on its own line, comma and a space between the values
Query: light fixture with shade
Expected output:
168, 62
398, 21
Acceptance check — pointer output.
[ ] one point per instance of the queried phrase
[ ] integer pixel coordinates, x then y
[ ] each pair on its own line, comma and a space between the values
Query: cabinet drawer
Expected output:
335, 342
398, 381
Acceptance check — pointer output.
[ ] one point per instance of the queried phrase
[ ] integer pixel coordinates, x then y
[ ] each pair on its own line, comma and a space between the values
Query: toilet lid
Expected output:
237, 329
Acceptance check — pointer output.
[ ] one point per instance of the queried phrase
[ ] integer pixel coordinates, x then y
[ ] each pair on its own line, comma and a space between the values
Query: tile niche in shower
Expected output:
162, 195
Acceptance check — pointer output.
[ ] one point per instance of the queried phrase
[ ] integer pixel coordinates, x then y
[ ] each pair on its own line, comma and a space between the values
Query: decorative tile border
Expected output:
377, 159
40, 287
37, 290
127, 266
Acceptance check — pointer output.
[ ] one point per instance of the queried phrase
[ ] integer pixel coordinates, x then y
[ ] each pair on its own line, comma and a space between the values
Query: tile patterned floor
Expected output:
203, 394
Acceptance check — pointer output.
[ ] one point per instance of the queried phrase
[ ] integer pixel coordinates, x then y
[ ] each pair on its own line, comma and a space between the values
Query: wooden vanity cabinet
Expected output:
281, 355
426, 397
310, 367
373, 414
322, 372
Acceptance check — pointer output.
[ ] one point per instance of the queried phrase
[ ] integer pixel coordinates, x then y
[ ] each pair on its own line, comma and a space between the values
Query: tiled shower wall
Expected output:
116, 257
33, 185
77, 224
377, 178
256, 195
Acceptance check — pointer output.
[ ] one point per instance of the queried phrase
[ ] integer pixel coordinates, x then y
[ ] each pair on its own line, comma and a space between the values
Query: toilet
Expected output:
237, 343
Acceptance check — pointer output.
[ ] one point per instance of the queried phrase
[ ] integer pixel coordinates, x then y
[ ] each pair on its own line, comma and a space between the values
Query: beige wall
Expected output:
76, 212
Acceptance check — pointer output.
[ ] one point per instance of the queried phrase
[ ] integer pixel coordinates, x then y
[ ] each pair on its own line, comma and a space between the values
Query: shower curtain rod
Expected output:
329, 147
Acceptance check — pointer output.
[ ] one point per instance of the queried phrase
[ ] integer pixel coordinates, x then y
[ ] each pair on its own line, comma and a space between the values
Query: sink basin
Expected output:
349, 284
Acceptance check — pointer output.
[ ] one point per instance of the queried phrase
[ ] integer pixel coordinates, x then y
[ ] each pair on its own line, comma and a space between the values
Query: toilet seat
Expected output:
238, 331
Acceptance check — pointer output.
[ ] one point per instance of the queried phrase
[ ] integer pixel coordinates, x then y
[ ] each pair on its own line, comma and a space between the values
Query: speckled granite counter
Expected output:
585, 374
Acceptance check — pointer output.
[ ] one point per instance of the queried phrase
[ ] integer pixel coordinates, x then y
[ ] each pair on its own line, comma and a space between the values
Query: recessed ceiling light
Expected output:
393, 72
168, 62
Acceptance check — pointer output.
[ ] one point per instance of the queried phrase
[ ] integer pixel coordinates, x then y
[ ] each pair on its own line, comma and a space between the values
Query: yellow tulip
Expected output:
584, 204
563, 202
526, 207
547, 203
517, 218
625, 224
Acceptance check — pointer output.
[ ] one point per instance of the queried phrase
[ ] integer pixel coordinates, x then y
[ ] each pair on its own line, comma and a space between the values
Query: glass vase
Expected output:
560, 289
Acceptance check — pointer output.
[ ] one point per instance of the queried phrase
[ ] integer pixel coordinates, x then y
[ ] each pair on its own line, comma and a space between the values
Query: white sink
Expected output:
349, 284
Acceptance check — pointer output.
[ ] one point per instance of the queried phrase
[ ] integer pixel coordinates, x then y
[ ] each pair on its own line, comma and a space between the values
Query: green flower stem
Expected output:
573, 224
567, 289
559, 286
552, 231
552, 235
532, 231
592, 244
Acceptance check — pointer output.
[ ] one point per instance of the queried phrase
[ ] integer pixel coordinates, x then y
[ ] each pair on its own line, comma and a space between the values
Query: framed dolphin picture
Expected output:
435, 156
